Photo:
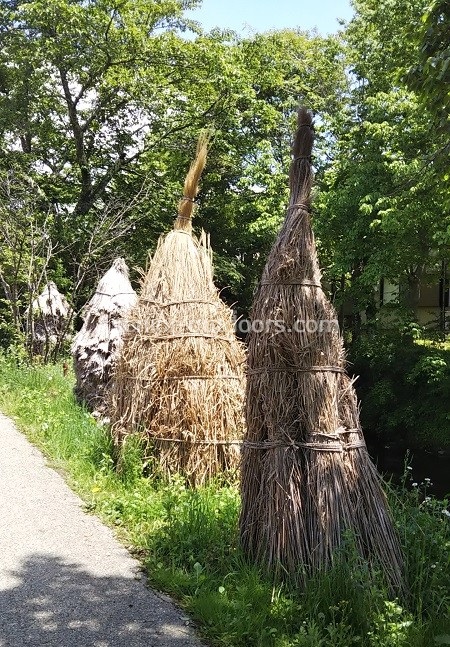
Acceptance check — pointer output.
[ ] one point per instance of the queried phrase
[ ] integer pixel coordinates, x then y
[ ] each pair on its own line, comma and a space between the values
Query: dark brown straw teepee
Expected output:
307, 479
180, 379
96, 346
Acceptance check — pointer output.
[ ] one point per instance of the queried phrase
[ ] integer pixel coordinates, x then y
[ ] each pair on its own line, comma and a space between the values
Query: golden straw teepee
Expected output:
307, 478
180, 379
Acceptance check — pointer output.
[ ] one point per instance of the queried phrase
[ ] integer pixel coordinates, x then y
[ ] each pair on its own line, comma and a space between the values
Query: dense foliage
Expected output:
382, 205
101, 105
430, 75
403, 383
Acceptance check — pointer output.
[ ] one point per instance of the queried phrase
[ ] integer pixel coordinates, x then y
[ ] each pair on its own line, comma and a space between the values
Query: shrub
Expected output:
403, 385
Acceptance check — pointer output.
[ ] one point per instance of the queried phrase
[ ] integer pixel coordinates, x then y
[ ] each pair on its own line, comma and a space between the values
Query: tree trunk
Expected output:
410, 294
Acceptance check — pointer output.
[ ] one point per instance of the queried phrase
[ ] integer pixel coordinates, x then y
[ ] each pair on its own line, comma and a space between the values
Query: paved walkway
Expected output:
65, 581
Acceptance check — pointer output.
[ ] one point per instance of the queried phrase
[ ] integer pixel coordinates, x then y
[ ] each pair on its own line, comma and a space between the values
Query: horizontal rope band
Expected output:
185, 197
197, 442
302, 157
116, 294
187, 336
181, 377
295, 369
318, 447
302, 282
200, 377
300, 205
176, 303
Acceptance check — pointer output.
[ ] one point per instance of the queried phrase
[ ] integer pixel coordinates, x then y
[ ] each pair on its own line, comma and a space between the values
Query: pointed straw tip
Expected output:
304, 136
120, 265
304, 118
191, 185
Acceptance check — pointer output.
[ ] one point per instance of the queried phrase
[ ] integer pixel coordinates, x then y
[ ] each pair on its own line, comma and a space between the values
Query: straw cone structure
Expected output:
180, 379
96, 346
306, 474
50, 315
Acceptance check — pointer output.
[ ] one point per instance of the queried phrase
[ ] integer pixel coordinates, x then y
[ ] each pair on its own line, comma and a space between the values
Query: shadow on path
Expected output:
57, 604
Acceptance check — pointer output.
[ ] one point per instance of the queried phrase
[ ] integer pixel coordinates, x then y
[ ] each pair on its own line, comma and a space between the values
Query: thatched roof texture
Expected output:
50, 319
306, 475
180, 379
96, 346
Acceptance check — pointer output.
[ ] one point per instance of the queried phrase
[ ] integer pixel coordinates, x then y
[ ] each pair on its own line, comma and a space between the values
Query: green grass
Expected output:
188, 541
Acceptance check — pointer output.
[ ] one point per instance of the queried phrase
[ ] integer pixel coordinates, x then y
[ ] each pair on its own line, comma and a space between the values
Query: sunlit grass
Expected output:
188, 541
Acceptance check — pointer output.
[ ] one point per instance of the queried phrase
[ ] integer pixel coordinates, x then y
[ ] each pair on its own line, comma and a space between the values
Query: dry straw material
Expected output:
49, 320
180, 379
307, 479
96, 346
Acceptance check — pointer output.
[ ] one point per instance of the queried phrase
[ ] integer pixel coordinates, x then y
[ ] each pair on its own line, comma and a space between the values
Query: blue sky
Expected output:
249, 16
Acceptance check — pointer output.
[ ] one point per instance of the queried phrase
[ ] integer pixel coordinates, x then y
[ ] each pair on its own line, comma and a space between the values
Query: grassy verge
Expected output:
188, 541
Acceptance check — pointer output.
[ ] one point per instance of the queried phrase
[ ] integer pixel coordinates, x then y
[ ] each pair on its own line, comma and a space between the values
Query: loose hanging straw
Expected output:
306, 477
180, 381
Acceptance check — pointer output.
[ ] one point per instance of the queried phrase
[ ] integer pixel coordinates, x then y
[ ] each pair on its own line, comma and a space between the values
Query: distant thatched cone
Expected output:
180, 379
306, 474
50, 320
96, 346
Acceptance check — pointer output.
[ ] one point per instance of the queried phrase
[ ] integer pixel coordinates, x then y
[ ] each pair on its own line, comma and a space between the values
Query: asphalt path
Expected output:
65, 581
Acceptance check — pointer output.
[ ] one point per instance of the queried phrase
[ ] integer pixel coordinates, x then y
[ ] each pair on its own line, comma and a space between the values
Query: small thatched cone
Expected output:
306, 474
50, 318
180, 379
96, 346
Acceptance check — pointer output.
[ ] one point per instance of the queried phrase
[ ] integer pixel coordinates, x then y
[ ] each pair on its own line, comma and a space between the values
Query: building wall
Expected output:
432, 294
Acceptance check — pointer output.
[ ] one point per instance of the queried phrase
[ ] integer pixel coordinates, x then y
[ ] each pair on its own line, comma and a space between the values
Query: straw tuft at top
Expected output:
191, 187
300, 174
